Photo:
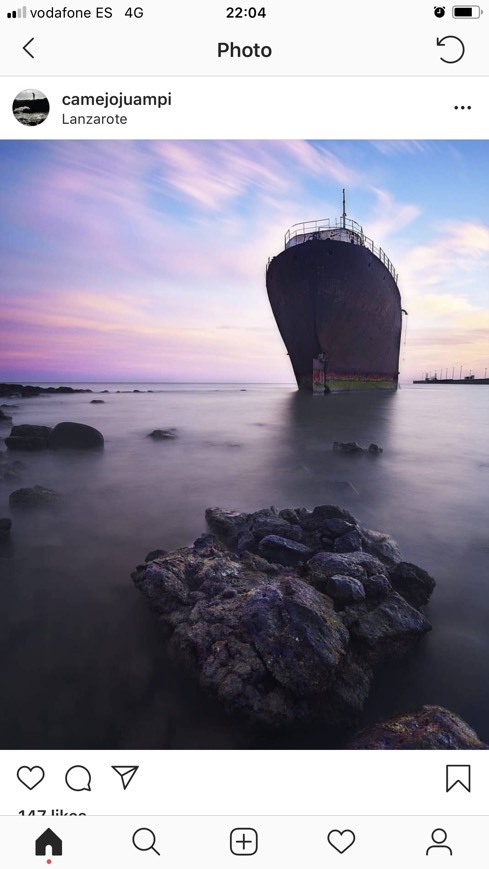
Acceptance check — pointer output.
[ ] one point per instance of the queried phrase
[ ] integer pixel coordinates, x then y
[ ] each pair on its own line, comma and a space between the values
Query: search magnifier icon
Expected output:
145, 840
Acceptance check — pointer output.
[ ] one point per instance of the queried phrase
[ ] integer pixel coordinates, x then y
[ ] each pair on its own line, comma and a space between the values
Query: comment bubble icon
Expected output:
78, 778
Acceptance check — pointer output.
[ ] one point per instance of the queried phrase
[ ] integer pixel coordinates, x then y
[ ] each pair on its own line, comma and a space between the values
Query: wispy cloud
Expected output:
138, 257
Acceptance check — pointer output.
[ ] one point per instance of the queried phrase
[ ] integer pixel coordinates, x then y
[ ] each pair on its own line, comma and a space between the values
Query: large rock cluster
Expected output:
283, 615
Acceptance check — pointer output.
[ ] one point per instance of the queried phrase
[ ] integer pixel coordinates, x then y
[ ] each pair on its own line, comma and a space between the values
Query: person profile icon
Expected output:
439, 838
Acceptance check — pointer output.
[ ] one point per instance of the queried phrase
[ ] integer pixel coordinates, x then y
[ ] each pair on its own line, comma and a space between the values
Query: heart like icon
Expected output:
30, 776
341, 840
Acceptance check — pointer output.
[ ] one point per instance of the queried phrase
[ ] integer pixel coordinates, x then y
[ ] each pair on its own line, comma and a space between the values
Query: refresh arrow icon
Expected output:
442, 42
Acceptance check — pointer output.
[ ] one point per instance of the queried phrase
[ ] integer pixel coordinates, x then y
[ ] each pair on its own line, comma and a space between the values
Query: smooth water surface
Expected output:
84, 662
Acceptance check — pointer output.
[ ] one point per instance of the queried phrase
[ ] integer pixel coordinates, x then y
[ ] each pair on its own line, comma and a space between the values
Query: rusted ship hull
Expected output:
338, 309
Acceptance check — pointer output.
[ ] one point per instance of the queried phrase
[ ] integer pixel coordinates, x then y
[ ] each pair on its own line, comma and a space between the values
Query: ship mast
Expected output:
344, 210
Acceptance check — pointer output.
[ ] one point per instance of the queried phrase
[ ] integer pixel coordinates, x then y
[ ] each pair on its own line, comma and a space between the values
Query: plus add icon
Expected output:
244, 841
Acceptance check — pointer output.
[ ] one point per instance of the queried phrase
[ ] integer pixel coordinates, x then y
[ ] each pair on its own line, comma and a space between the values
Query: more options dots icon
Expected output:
244, 841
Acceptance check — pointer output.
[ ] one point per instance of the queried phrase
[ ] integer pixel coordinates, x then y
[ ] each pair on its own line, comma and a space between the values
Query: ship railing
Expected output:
311, 226
339, 230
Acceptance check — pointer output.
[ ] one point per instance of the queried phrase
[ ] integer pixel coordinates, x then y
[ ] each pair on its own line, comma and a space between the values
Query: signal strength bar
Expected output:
18, 13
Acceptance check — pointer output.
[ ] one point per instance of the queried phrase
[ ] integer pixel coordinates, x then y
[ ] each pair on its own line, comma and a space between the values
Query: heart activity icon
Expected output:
30, 776
341, 840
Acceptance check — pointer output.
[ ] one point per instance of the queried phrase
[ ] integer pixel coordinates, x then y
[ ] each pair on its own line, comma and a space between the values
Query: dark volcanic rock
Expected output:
280, 550
381, 545
227, 524
281, 629
344, 590
289, 515
355, 564
155, 553
263, 525
389, 628
414, 583
351, 542
163, 434
375, 450
351, 447
29, 438
97, 401
29, 391
431, 727
35, 497
268, 646
75, 435
4, 417
320, 516
376, 586
337, 527
5, 526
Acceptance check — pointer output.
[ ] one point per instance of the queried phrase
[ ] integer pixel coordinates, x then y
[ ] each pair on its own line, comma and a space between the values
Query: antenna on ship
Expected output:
344, 210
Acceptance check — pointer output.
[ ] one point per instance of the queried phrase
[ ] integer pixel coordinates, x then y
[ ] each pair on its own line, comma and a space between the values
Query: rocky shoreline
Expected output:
9, 390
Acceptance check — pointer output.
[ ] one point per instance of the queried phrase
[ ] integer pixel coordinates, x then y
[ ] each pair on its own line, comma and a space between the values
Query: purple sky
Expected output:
146, 260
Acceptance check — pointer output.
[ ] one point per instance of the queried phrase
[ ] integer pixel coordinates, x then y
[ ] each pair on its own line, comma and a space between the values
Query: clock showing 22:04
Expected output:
243, 12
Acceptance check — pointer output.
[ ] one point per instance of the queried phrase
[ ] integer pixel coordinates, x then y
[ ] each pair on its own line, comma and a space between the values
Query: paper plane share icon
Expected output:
126, 773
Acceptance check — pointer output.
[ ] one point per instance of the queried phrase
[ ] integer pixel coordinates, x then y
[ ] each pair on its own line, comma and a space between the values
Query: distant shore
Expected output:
469, 381
16, 389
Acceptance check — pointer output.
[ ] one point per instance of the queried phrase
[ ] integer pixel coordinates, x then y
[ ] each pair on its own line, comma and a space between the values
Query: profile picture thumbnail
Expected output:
31, 107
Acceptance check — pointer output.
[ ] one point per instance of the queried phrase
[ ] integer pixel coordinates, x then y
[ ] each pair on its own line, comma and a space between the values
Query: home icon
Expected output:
49, 840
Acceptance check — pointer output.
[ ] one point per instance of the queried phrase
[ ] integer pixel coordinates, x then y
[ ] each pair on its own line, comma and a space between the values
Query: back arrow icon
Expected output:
25, 47
442, 42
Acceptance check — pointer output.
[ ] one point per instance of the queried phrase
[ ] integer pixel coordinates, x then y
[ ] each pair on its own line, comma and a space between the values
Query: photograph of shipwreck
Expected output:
337, 305
229, 519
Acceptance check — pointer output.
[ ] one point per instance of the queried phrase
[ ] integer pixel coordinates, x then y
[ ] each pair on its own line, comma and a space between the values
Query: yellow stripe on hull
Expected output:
347, 385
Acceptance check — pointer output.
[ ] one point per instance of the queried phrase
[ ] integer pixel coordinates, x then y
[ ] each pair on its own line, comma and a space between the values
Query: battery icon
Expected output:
466, 11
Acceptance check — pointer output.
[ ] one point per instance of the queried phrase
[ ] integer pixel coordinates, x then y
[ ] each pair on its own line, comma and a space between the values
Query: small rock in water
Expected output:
35, 497
375, 450
29, 438
350, 447
163, 434
4, 417
97, 401
76, 436
431, 727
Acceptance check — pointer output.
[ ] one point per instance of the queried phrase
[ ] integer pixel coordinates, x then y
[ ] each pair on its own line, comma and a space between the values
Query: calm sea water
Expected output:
83, 661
